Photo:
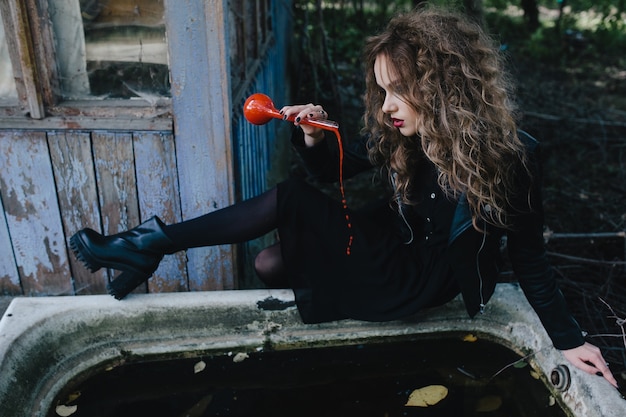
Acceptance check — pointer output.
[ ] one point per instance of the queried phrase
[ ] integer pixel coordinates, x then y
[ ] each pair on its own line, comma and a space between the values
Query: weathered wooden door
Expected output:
71, 158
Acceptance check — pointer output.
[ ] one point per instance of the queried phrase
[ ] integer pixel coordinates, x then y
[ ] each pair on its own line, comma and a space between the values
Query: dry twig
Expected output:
618, 320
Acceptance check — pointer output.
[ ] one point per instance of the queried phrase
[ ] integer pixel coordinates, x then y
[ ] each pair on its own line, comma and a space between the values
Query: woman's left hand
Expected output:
312, 134
589, 358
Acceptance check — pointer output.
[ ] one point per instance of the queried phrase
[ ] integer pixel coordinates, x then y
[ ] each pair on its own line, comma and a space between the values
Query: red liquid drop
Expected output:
342, 190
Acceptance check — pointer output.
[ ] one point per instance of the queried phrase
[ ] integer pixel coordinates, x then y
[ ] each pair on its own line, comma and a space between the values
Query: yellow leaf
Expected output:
66, 410
73, 396
240, 357
470, 338
489, 403
427, 396
199, 367
535, 374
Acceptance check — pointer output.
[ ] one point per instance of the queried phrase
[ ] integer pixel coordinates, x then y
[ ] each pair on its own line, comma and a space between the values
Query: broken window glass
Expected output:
111, 49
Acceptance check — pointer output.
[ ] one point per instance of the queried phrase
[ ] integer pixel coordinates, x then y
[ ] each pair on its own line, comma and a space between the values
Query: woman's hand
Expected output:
589, 358
312, 134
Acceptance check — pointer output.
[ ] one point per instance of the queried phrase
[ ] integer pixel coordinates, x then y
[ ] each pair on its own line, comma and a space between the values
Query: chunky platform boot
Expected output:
136, 252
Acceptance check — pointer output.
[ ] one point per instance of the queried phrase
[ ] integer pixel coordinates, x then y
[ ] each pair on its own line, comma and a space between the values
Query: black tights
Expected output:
238, 223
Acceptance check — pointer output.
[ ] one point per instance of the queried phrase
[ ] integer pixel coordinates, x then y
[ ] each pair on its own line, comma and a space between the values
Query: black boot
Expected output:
136, 252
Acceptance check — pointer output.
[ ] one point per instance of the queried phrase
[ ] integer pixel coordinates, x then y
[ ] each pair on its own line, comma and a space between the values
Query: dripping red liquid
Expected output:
259, 109
342, 190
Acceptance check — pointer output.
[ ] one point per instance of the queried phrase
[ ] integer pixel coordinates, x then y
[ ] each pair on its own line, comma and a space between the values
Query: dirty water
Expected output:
479, 378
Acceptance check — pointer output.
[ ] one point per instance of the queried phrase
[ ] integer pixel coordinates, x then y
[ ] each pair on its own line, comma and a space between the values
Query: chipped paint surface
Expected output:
73, 165
203, 129
32, 215
158, 180
9, 277
54, 182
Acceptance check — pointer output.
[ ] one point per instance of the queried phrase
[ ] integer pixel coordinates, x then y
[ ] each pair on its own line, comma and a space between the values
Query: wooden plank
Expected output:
72, 162
44, 49
197, 33
147, 48
157, 182
9, 276
32, 214
108, 119
117, 190
129, 13
24, 47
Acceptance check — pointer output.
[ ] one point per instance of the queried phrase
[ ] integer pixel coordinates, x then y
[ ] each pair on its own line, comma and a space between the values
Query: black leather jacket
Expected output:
474, 256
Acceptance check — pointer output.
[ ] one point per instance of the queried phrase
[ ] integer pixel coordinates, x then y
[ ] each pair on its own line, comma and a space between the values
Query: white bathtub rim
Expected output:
30, 322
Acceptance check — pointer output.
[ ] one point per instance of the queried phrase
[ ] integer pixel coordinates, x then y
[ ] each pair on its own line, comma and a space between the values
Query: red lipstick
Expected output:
397, 122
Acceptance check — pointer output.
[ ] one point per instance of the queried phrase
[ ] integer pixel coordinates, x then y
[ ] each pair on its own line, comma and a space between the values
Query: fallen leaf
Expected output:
66, 410
426, 396
240, 357
535, 374
72, 397
520, 364
470, 338
199, 367
489, 403
551, 401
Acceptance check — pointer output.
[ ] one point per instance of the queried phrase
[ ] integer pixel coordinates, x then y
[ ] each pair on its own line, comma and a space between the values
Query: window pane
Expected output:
8, 93
111, 48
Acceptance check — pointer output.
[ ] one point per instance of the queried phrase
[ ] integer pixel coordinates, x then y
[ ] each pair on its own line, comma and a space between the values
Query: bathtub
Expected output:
45, 343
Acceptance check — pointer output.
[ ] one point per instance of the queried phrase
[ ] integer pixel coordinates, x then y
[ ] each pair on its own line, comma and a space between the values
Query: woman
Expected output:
441, 128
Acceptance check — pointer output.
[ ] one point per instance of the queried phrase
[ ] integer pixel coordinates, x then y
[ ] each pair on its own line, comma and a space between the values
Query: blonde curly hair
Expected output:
451, 73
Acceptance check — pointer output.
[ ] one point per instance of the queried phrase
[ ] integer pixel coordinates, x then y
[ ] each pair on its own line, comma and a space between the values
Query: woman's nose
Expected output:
388, 105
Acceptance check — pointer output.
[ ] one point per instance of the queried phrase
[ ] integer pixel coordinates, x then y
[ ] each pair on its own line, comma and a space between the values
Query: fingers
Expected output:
589, 359
601, 368
303, 111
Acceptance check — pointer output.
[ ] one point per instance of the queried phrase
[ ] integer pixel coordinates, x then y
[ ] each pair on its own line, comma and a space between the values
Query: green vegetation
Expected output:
330, 34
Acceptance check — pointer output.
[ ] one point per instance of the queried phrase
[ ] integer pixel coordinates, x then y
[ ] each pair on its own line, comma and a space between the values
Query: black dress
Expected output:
396, 264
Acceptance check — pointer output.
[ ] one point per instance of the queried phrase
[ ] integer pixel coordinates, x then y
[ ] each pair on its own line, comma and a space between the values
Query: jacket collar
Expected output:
462, 219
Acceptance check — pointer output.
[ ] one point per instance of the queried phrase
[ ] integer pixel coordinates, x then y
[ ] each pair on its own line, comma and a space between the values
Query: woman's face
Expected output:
403, 117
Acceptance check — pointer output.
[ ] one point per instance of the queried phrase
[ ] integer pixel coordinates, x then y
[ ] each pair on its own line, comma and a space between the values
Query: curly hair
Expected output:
451, 73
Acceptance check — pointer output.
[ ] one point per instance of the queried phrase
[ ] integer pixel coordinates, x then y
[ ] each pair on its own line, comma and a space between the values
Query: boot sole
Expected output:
92, 262
83, 255
125, 283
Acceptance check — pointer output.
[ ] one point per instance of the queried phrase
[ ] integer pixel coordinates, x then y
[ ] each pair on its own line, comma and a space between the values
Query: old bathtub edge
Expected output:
46, 342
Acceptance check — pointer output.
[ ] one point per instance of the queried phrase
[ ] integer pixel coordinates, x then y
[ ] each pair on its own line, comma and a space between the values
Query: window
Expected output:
100, 59
83, 63
110, 49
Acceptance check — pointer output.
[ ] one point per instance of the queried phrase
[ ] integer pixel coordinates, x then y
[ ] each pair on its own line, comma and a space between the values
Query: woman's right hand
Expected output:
312, 134
589, 358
